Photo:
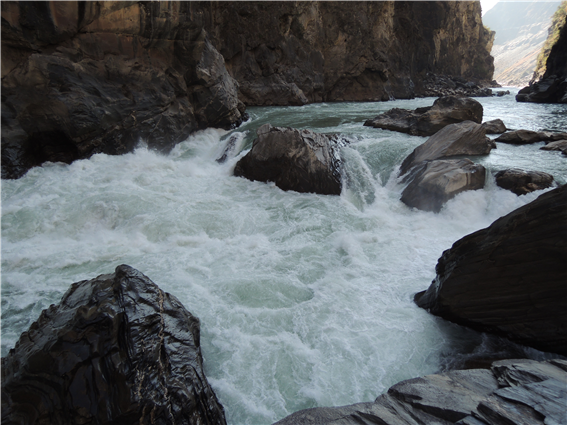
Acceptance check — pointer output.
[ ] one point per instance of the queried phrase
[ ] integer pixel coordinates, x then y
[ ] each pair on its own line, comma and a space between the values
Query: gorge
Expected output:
304, 300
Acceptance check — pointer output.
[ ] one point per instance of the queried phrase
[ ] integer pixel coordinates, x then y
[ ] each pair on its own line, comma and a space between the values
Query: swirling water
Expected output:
305, 300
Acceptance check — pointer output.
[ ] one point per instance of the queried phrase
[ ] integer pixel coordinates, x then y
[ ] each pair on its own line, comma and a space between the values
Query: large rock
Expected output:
496, 126
510, 392
466, 138
84, 78
526, 137
522, 182
429, 120
438, 181
559, 145
509, 278
285, 53
298, 160
116, 349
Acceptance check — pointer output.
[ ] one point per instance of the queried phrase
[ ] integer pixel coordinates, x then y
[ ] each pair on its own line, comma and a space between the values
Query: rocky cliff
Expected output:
298, 52
80, 78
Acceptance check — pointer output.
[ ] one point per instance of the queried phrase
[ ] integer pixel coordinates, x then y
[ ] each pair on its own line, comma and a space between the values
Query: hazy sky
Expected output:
487, 5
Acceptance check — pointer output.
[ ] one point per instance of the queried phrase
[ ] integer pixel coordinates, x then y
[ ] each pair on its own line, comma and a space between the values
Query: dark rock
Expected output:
446, 85
525, 137
521, 182
559, 145
466, 138
464, 397
429, 120
502, 93
494, 126
509, 278
552, 87
79, 79
116, 349
440, 180
298, 160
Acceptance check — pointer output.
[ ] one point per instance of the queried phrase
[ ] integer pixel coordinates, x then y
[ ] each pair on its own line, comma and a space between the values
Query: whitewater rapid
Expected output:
304, 300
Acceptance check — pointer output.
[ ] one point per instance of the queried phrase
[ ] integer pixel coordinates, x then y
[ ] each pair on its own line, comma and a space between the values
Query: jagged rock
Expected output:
429, 120
494, 126
552, 87
85, 78
466, 138
116, 349
440, 180
465, 397
298, 160
509, 278
559, 145
521, 182
285, 53
526, 137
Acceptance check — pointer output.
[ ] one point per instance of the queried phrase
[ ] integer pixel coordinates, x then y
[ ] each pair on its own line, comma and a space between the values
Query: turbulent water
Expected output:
305, 300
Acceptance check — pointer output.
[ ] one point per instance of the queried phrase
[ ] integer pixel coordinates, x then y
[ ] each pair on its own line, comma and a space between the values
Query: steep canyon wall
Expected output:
80, 78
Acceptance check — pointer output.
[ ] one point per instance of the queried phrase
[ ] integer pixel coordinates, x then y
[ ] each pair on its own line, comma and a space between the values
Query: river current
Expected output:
305, 300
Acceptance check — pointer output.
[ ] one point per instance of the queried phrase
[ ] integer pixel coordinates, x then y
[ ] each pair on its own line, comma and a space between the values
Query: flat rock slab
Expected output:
429, 120
438, 181
298, 160
463, 139
465, 397
522, 182
509, 279
116, 349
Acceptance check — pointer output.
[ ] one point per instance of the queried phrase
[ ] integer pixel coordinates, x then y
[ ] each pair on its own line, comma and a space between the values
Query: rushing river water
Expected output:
305, 300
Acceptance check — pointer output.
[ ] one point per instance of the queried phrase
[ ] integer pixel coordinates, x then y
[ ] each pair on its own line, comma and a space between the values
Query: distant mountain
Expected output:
521, 29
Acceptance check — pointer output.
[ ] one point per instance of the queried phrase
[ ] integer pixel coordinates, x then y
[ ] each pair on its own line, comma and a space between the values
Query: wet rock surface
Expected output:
509, 279
298, 160
86, 78
559, 145
429, 120
438, 181
511, 391
526, 137
116, 349
522, 182
466, 138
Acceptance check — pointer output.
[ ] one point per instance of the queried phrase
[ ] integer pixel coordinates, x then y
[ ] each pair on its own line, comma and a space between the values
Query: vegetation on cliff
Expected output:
557, 23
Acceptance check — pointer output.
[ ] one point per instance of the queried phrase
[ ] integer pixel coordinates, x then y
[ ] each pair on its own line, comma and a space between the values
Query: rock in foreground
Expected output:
116, 349
441, 180
298, 160
429, 120
510, 278
511, 392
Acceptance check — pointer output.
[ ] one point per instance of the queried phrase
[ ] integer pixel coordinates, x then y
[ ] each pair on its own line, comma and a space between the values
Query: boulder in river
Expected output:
466, 138
510, 278
559, 145
429, 120
494, 126
521, 182
526, 137
116, 349
298, 160
440, 180
510, 392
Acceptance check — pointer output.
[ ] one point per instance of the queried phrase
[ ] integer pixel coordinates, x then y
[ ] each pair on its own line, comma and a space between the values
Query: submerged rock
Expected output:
429, 120
438, 181
509, 278
116, 349
522, 182
511, 391
298, 160
466, 138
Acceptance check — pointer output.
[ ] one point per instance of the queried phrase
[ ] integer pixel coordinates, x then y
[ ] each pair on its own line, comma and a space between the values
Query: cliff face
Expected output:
298, 52
85, 77
80, 78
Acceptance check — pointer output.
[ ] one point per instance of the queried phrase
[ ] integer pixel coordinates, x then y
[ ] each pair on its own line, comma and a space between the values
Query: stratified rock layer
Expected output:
116, 349
429, 120
298, 160
510, 278
511, 392
80, 78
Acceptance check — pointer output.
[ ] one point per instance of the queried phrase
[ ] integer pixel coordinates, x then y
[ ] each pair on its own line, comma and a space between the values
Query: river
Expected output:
304, 300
